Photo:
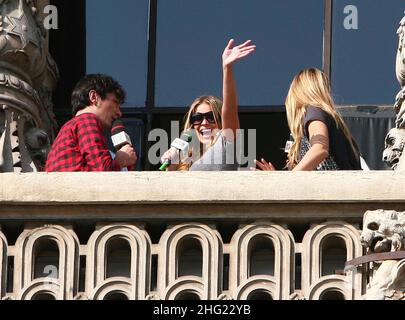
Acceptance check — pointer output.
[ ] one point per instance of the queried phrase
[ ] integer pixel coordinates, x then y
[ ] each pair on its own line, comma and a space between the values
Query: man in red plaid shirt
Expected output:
80, 144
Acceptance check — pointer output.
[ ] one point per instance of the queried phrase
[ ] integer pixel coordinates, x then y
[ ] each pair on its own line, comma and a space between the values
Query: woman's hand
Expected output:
229, 113
264, 166
231, 54
171, 155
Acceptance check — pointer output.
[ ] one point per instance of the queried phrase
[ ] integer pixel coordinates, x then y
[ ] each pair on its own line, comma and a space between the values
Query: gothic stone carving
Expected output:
28, 76
400, 65
384, 231
394, 146
396, 137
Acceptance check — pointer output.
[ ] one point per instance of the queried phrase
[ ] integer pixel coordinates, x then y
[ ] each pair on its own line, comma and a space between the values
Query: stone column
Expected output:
28, 76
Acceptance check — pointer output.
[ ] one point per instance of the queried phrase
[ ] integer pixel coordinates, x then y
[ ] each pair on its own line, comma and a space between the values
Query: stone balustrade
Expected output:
184, 235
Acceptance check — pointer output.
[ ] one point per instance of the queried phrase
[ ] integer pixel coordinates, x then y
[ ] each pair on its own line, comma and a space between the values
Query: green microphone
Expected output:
180, 144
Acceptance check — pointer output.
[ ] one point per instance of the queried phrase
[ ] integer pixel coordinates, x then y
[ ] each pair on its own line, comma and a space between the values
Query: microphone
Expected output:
119, 137
180, 144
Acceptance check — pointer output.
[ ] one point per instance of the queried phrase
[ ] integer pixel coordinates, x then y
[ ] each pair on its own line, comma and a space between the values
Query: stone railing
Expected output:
229, 235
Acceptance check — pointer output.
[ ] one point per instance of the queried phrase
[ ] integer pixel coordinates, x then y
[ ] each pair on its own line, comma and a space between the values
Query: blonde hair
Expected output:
216, 106
311, 87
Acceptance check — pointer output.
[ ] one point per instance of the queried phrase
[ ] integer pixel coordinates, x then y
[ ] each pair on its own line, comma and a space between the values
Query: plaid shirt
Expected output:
81, 146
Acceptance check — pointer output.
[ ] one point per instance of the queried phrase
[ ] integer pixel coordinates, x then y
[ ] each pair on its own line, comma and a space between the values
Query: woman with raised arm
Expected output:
322, 140
213, 122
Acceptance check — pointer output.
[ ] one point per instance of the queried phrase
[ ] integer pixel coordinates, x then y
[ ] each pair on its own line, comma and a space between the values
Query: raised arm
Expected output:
230, 118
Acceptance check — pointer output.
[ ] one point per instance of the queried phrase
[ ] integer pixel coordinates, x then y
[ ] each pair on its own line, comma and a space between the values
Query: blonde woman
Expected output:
322, 140
213, 122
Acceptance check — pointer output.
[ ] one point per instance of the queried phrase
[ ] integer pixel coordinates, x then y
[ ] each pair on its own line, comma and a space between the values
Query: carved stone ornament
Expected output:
297, 296
28, 75
384, 231
400, 63
394, 146
395, 139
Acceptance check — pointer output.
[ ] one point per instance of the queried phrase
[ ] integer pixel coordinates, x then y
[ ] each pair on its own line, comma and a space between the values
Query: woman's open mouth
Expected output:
206, 133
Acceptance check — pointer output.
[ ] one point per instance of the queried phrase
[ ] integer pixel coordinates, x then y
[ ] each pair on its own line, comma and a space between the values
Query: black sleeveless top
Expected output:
341, 155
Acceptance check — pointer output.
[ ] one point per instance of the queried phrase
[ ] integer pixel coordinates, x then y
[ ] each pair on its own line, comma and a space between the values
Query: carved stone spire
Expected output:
395, 140
28, 75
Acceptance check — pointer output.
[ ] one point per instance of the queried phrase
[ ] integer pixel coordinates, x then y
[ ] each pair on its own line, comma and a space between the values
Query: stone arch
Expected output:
38, 286
140, 245
3, 265
284, 256
332, 254
312, 247
212, 254
267, 284
187, 250
118, 258
45, 252
116, 284
116, 295
186, 284
188, 295
68, 245
330, 283
261, 256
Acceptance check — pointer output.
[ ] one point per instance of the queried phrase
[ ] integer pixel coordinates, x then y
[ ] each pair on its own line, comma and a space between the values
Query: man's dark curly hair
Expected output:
100, 83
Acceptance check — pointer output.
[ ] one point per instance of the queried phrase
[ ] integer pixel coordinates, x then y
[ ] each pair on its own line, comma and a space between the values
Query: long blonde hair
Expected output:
311, 87
216, 106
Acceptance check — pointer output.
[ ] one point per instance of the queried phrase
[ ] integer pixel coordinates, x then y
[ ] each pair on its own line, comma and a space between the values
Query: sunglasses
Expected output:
197, 117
